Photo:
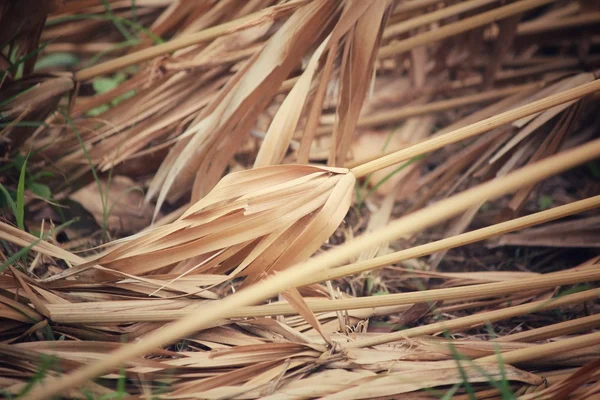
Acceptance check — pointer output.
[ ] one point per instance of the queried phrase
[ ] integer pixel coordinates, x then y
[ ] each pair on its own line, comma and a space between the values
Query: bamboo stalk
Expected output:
554, 330
476, 128
395, 115
471, 292
542, 350
537, 27
460, 26
73, 316
64, 314
188, 40
413, 5
477, 319
457, 240
441, 211
433, 16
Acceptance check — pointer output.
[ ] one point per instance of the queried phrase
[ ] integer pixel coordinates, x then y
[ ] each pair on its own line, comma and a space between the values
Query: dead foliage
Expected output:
299, 199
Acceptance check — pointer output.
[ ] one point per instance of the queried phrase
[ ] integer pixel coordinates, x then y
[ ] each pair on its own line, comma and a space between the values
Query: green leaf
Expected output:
64, 60
94, 112
41, 190
575, 289
594, 168
122, 98
18, 63
9, 199
391, 174
25, 250
381, 293
48, 333
451, 392
103, 84
121, 384
23, 124
370, 284
20, 215
18, 161
46, 363
545, 202
120, 76
42, 174
117, 22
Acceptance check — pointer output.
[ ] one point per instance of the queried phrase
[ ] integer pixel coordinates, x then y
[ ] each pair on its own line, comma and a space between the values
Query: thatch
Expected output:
299, 199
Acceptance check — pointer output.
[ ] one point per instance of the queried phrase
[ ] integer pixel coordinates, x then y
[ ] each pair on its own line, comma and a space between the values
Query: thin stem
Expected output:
456, 241
404, 112
411, 23
127, 312
541, 350
476, 129
461, 26
187, 40
480, 318
551, 331
471, 292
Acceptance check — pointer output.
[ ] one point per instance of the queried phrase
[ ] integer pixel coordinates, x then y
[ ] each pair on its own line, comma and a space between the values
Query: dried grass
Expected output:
242, 158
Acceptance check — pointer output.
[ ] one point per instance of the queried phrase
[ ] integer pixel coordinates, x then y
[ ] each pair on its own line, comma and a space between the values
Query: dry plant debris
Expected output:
296, 199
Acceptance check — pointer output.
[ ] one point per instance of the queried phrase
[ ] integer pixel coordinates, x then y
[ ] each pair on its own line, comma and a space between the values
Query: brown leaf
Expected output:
247, 214
124, 209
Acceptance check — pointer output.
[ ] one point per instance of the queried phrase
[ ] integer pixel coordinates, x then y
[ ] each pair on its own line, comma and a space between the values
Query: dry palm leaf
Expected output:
356, 70
279, 282
25, 103
138, 130
427, 145
287, 213
369, 18
252, 213
262, 225
356, 15
115, 311
275, 223
577, 233
203, 35
231, 114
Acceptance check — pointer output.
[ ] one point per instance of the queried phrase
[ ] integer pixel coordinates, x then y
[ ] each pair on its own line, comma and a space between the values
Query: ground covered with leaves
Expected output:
297, 199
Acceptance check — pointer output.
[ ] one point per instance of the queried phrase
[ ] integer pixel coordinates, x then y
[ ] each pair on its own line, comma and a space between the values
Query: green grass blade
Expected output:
394, 172
155, 38
13, 97
20, 210
9, 199
451, 392
463, 375
26, 57
24, 124
26, 250
94, 173
118, 24
119, 46
501, 385
45, 365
